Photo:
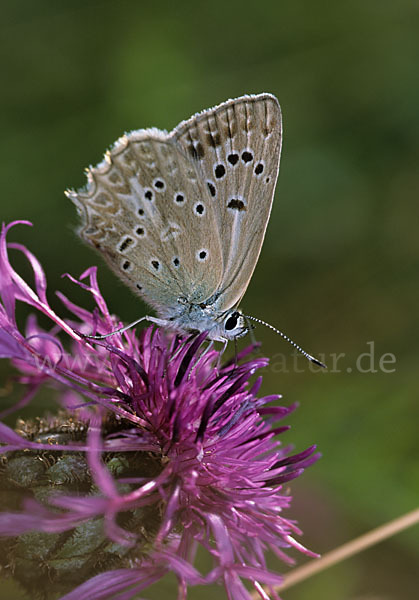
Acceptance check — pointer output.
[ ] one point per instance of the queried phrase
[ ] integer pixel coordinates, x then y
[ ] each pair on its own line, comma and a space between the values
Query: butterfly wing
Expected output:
236, 149
148, 213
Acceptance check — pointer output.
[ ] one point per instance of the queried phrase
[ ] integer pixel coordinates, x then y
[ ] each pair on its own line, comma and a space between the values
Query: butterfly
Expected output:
181, 216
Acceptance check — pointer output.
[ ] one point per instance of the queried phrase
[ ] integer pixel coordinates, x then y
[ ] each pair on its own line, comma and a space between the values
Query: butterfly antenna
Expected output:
287, 339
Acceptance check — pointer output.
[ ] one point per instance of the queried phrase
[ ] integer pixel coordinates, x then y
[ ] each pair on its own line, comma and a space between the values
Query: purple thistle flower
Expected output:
217, 468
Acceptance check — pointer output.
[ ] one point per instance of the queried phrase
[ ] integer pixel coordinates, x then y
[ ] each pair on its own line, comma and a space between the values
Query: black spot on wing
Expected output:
126, 243
236, 204
220, 171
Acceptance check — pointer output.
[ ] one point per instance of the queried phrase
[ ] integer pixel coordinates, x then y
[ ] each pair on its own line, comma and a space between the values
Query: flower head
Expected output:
162, 445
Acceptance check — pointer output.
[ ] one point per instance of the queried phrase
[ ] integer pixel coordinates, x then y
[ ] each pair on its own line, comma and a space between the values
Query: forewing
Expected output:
236, 148
148, 213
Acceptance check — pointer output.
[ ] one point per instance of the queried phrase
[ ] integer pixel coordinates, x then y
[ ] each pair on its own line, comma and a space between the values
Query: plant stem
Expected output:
350, 549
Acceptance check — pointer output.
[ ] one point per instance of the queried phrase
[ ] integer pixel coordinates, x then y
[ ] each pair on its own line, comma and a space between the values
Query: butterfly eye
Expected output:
231, 322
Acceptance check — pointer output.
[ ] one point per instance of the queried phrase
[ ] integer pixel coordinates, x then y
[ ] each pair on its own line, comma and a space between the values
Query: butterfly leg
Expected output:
182, 344
126, 327
204, 353
221, 354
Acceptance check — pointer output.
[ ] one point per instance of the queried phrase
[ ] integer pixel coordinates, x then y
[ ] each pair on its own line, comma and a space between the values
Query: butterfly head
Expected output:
220, 325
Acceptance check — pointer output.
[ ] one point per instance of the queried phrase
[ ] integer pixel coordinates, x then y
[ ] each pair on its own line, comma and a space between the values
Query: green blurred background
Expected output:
339, 266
